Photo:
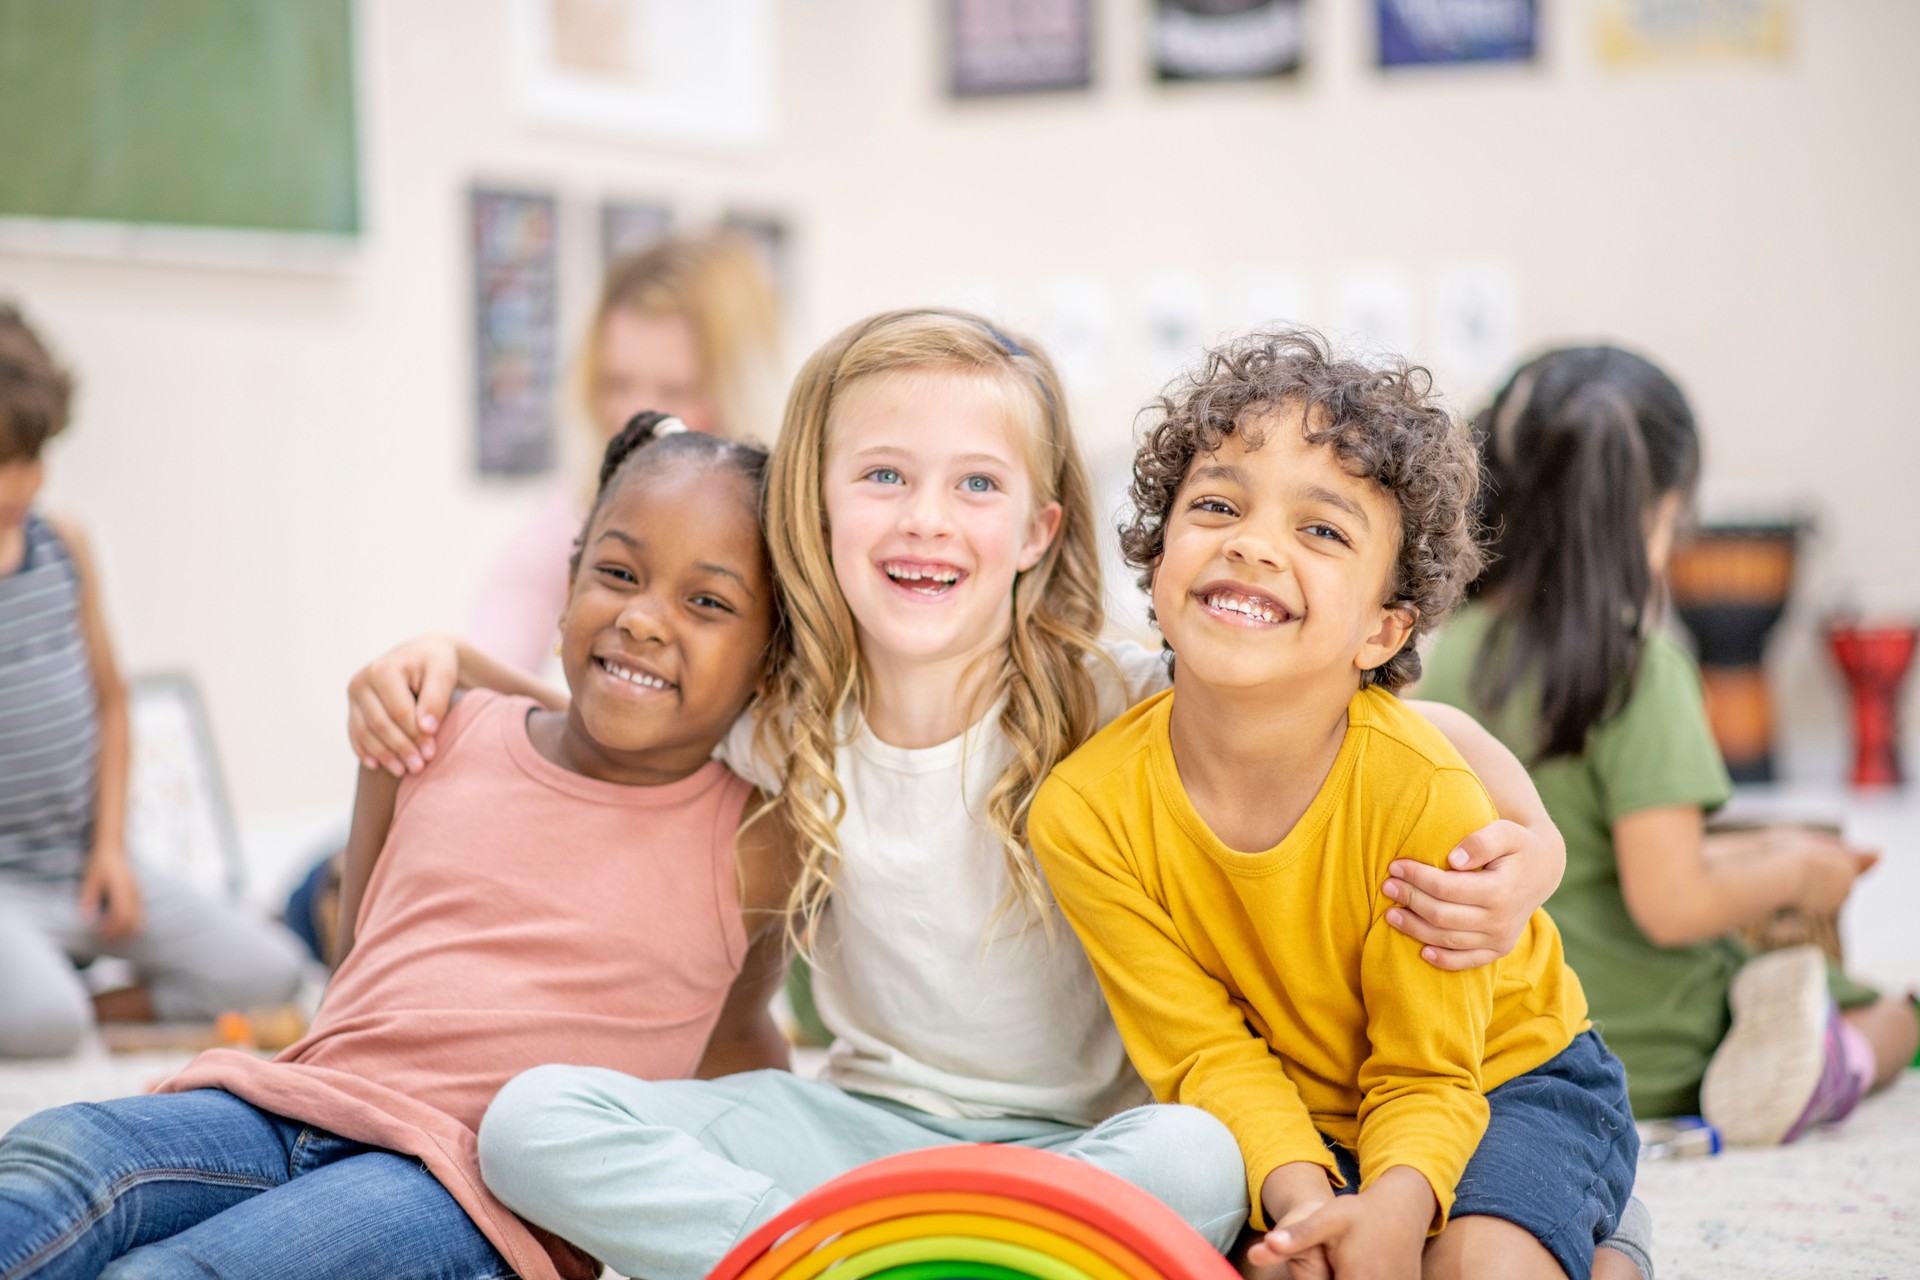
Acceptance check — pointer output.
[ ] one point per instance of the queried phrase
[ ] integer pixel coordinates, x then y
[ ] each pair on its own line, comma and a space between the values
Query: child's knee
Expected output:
531, 1121
1482, 1247
261, 965
273, 967
46, 1023
1187, 1159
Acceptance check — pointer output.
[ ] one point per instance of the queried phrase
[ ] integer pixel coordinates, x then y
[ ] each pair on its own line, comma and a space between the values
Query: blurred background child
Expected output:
68, 892
1591, 458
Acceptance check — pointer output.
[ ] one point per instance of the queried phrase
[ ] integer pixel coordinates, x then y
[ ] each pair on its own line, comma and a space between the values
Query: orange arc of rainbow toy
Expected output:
975, 1212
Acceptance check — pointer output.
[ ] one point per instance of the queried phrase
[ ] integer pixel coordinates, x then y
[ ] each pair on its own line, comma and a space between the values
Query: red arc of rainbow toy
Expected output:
975, 1212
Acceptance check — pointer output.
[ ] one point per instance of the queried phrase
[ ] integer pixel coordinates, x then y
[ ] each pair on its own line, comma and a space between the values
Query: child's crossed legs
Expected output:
661, 1178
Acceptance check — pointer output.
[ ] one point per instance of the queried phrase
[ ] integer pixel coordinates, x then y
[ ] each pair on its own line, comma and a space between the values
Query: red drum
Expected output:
1875, 661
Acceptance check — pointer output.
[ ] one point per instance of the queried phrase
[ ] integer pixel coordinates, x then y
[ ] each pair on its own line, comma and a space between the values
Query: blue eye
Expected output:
979, 484
884, 475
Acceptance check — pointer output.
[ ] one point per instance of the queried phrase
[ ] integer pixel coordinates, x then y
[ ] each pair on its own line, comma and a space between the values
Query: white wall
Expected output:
277, 466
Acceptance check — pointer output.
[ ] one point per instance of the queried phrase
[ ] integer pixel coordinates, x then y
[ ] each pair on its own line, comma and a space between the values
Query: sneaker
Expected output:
1781, 1068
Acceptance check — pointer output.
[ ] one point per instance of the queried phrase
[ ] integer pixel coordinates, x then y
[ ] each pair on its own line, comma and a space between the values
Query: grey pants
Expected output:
197, 957
661, 1178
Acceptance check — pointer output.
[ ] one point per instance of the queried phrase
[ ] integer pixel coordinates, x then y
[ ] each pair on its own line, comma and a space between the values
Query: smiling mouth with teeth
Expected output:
1246, 606
631, 676
926, 581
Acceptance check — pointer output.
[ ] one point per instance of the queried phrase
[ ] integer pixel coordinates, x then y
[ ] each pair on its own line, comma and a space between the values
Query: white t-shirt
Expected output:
925, 1009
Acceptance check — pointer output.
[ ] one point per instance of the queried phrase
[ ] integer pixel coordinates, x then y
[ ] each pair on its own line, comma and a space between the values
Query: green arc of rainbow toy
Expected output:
975, 1212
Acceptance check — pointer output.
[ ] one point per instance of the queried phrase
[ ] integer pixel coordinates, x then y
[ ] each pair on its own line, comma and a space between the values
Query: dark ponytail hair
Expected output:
1576, 450
650, 439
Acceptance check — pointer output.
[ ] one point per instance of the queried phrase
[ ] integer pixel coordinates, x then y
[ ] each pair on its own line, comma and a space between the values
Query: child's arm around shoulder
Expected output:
1475, 912
109, 895
396, 703
746, 1037
1186, 1036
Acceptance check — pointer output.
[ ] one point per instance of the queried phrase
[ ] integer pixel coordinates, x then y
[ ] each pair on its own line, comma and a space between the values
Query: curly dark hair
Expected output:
1383, 423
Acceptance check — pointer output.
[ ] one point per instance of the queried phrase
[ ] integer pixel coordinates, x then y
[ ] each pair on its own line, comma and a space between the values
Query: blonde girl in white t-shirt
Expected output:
933, 537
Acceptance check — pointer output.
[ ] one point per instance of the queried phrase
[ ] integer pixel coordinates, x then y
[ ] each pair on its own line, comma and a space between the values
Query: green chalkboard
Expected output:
199, 113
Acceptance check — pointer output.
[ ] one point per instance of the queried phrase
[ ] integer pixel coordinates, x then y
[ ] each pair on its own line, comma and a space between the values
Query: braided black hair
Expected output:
650, 439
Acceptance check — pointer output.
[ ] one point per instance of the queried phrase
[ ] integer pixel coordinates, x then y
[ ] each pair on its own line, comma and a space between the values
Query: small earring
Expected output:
556, 648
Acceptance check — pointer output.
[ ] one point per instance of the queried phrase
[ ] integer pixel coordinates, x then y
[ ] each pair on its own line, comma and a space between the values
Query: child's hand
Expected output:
1828, 867
109, 895
1475, 913
1265, 1262
1379, 1234
1290, 1194
1344, 1240
396, 702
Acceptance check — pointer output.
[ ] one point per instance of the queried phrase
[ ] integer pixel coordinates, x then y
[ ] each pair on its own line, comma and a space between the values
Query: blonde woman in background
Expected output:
688, 327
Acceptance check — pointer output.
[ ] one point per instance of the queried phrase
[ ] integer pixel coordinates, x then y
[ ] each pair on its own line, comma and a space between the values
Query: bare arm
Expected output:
108, 892
1682, 886
1502, 873
372, 818
396, 703
746, 1038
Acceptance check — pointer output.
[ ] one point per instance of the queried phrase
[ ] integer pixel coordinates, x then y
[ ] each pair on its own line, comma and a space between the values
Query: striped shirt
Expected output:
49, 715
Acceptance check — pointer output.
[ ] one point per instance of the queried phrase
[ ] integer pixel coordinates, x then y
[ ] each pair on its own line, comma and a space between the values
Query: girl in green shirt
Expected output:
1591, 456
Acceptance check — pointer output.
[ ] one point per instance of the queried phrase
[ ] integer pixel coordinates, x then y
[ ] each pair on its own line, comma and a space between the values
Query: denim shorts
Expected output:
1558, 1157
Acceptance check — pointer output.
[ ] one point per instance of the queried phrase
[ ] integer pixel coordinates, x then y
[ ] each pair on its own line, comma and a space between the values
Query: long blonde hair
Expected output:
718, 284
1051, 706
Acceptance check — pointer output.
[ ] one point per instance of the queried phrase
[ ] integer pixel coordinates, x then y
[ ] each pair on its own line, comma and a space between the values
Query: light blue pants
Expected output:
660, 1179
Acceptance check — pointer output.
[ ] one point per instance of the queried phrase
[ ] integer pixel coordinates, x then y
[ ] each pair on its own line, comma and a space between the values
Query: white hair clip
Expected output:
668, 427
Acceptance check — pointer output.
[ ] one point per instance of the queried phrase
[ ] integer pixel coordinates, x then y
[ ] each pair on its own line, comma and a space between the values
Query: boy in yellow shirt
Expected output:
1221, 848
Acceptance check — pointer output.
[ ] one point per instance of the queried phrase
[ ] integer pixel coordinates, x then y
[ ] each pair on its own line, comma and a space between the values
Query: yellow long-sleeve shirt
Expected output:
1268, 988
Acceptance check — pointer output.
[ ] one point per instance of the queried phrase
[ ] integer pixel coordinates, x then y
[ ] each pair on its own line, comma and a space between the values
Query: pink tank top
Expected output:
519, 914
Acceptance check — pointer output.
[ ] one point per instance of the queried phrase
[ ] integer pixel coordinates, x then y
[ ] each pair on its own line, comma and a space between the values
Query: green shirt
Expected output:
1663, 1010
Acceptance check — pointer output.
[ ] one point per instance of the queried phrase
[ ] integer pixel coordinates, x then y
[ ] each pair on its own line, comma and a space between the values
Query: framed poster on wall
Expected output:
684, 72
516, 264
1635, 31
1018, 46
1416, 33
1227, 39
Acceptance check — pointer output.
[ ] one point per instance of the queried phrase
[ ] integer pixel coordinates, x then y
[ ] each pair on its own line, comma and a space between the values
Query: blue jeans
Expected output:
203, 1184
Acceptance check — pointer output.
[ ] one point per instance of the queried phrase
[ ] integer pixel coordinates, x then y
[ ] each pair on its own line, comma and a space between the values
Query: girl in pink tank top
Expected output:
558, 886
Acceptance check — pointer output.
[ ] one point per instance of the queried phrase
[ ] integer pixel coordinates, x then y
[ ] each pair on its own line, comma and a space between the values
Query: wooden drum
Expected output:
1730, 585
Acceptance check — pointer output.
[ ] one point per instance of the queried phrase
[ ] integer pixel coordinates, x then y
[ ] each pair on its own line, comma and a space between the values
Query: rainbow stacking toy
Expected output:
975, 1213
